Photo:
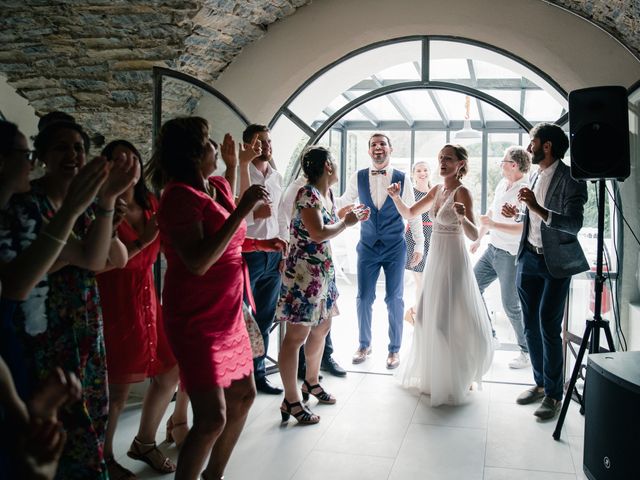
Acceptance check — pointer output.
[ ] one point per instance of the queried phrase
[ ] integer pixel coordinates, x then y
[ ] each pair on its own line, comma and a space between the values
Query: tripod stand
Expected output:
592, 330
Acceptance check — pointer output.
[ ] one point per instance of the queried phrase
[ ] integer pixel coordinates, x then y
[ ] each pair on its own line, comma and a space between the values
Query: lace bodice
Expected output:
444, 217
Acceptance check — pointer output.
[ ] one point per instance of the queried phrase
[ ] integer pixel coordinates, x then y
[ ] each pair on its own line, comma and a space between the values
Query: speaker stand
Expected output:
591, 334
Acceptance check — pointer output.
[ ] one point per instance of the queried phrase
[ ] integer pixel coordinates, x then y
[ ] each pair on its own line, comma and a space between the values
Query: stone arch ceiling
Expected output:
93, 58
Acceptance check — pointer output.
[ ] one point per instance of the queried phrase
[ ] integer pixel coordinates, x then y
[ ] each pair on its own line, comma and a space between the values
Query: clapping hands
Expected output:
253, 195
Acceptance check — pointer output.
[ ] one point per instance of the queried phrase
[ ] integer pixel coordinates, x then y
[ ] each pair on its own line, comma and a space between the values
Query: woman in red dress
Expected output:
136, 344
203, 235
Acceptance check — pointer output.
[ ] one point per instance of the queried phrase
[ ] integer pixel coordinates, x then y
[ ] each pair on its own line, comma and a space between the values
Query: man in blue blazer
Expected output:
382, 245
548, 256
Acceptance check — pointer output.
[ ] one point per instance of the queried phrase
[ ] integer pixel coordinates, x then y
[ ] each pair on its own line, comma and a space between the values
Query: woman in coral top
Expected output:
135, 341
203, 234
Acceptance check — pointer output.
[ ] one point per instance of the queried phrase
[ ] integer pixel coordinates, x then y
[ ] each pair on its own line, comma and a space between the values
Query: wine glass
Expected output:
522, 207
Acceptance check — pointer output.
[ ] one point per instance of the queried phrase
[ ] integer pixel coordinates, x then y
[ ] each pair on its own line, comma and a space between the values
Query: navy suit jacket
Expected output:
565, 199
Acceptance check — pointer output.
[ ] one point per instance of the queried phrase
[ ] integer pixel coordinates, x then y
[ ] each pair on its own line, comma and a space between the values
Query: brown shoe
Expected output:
548, 409
393, 360
361, 355
530, 395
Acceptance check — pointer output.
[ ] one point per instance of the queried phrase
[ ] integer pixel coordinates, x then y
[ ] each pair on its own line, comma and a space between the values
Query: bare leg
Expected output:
288, 360
239, 398
209, 420
118, 393
313, 348
155, 404
178, 423
181, 407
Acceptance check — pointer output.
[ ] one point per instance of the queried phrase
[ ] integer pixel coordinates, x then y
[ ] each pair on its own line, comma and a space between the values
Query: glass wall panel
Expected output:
427, 147
418, 104
180, 98
473, 179
539, 106
487, 62
497, 144
288, 142
453, 103
348, 73
510, 97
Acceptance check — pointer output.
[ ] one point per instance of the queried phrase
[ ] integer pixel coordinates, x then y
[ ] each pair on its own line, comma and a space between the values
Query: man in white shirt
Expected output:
499, 259
382, 245
262, 223
548, 256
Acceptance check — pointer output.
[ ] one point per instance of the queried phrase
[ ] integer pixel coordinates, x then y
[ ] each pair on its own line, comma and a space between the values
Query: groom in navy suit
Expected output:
549, 255
382, 245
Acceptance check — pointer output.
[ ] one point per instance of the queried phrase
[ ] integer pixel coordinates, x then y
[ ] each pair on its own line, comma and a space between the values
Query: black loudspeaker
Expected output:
599, 133
612, 416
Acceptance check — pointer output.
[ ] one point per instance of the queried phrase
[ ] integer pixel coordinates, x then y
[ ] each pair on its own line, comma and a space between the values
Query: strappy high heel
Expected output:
173, 429
321, 394
304, 416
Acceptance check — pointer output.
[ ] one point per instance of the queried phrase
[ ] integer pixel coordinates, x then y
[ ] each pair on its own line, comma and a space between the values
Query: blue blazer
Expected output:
565, 199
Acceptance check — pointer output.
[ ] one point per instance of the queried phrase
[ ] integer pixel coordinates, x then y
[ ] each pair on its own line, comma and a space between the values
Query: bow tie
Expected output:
379, 172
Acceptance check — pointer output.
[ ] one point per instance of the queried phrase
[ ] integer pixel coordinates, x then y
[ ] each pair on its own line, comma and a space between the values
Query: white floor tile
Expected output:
474, 414
492, 473
434, 452
516, 439
321, 465
380, 431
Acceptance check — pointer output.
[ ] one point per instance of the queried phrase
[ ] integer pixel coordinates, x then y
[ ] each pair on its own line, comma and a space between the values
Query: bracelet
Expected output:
104, 212
138, 244
44, 233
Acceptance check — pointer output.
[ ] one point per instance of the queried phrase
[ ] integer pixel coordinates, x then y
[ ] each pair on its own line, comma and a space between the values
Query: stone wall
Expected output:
93, 58
621, 18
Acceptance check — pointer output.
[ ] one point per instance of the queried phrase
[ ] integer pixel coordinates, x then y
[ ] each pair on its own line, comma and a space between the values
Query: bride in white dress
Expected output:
452, 334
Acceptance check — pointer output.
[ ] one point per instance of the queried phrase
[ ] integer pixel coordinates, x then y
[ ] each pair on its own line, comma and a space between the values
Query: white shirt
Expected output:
540, 190
285, 209
378, 185
262, 228
506, 241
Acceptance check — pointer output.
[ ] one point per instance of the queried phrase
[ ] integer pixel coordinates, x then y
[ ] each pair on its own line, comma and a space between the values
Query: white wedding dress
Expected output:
452, 334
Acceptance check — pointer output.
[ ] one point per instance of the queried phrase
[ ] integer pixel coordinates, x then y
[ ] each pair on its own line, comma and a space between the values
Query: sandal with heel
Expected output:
304, 416
150, 454
320, 393
117, 471
177, 432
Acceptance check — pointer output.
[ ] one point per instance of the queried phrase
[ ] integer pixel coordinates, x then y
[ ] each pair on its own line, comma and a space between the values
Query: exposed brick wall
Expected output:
93, 58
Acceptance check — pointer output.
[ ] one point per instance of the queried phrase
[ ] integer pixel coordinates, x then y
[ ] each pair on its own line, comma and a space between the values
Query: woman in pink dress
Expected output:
135, 341
203, 234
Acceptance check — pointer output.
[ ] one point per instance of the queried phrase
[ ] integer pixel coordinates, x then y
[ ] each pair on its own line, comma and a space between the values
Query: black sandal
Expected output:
322, 395
304, 416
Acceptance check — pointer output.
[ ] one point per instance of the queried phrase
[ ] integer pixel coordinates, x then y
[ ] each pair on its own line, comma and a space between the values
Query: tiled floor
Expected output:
379, 431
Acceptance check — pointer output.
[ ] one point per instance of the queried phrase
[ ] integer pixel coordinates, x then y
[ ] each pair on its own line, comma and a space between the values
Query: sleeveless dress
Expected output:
452, 336
135, 340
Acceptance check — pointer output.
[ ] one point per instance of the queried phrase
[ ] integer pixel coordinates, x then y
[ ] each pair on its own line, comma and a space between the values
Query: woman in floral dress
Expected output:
308, 293
60, 323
